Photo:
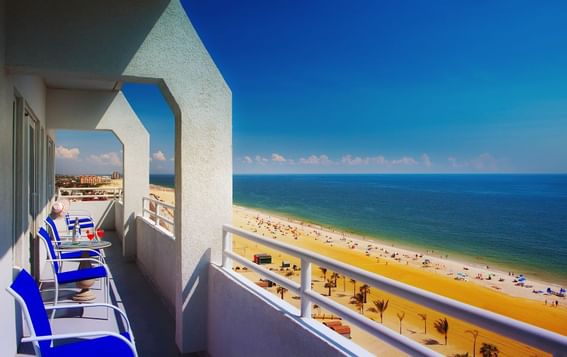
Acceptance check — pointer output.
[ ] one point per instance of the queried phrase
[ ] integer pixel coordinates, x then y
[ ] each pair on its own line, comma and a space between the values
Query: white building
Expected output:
62, 64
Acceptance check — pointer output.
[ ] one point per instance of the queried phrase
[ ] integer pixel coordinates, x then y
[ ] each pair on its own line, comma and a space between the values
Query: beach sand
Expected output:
406, 266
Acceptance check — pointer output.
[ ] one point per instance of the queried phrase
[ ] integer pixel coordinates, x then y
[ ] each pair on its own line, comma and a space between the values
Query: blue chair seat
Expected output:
109, 346
75, 255
81, 274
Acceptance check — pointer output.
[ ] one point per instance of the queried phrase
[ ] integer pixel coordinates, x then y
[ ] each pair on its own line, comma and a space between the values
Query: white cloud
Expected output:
369, 160
248, 159
260, 159
159, 156
316, 160
406, 160
278, 158
483, 162
426, 160
110, 158
67, 153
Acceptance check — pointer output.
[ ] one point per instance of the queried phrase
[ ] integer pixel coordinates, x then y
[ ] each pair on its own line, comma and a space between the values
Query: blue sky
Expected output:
368, 86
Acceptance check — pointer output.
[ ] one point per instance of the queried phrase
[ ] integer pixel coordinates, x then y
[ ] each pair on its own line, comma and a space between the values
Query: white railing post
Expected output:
157, 213
144, 206
226, 247
305, 286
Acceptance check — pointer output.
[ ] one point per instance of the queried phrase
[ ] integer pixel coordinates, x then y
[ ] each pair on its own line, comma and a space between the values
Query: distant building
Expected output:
116, 175
90, 180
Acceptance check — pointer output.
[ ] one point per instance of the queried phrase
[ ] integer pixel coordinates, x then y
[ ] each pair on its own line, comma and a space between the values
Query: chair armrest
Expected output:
96, 304
73, 260
82, 260
60, 250
81, 334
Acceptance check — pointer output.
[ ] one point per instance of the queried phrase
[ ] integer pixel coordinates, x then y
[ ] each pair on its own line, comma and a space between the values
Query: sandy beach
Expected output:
487, 288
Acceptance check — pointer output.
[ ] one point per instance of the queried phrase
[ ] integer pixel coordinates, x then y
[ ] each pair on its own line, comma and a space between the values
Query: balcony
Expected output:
152, 323
146, 290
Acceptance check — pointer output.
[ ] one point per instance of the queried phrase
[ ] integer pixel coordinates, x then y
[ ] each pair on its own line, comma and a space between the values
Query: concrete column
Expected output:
202, 104
109, 110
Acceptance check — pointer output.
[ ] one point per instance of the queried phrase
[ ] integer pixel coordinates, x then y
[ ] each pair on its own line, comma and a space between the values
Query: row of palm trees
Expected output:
380, 306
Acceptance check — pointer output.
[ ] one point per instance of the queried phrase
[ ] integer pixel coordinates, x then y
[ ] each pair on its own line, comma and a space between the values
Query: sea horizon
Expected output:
493, 219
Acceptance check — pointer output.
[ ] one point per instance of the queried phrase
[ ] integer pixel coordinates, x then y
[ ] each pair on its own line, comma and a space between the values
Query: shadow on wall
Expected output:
194, 296
79, 36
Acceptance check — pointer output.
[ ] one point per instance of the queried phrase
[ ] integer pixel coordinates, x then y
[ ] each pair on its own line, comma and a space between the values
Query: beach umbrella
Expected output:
521, 279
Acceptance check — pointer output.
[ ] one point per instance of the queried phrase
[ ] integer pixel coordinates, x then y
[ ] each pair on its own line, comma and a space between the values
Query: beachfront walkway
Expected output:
153, 326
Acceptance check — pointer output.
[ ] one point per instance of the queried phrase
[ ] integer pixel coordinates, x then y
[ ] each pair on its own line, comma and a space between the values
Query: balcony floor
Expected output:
153, 326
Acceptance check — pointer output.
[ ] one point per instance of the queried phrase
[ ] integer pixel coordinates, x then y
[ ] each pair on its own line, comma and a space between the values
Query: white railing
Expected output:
155, 215
528, 334
78, 193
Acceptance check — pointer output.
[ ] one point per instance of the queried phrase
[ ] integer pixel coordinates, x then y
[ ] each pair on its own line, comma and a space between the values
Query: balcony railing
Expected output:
528, 334
154, 211
89, 193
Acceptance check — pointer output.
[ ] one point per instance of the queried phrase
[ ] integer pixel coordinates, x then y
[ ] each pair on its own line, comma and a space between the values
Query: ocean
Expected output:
516, 222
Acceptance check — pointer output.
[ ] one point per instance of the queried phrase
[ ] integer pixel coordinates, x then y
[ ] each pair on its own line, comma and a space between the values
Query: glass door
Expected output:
32, 166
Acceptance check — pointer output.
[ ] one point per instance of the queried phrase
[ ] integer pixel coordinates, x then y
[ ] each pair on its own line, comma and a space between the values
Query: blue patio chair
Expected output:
68, 253
24, 289
60, 277
85, 221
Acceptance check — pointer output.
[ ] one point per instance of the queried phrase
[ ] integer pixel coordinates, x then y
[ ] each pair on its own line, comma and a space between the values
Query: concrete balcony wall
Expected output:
118, 218
156, 259
103, 212
244, 322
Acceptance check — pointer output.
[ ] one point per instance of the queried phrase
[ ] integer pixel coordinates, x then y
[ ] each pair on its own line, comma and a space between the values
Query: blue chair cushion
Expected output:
81, 274
97, 347
75, 255
25, 286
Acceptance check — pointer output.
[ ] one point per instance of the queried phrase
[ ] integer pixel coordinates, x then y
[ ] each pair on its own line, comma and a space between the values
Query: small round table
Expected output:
85, 285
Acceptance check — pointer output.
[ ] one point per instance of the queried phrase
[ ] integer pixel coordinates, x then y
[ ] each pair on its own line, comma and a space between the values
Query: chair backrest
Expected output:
43, 235
84, 222
25, 291
51, 223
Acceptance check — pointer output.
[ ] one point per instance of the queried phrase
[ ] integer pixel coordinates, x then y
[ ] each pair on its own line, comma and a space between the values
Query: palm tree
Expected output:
442, 326
424, 318
335, 276
381, 306
365, 290
401, 317
489, 350
474, 334
329, 284
281, 290
358, 300
324, 272
354, 287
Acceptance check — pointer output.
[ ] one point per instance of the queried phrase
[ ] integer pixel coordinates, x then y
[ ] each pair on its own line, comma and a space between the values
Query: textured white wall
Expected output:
151, 41
32, 90
7, 305
109, 110
156, 248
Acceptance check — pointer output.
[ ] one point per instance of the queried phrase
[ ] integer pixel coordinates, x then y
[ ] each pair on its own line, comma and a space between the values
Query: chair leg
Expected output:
55, 299
107, 294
